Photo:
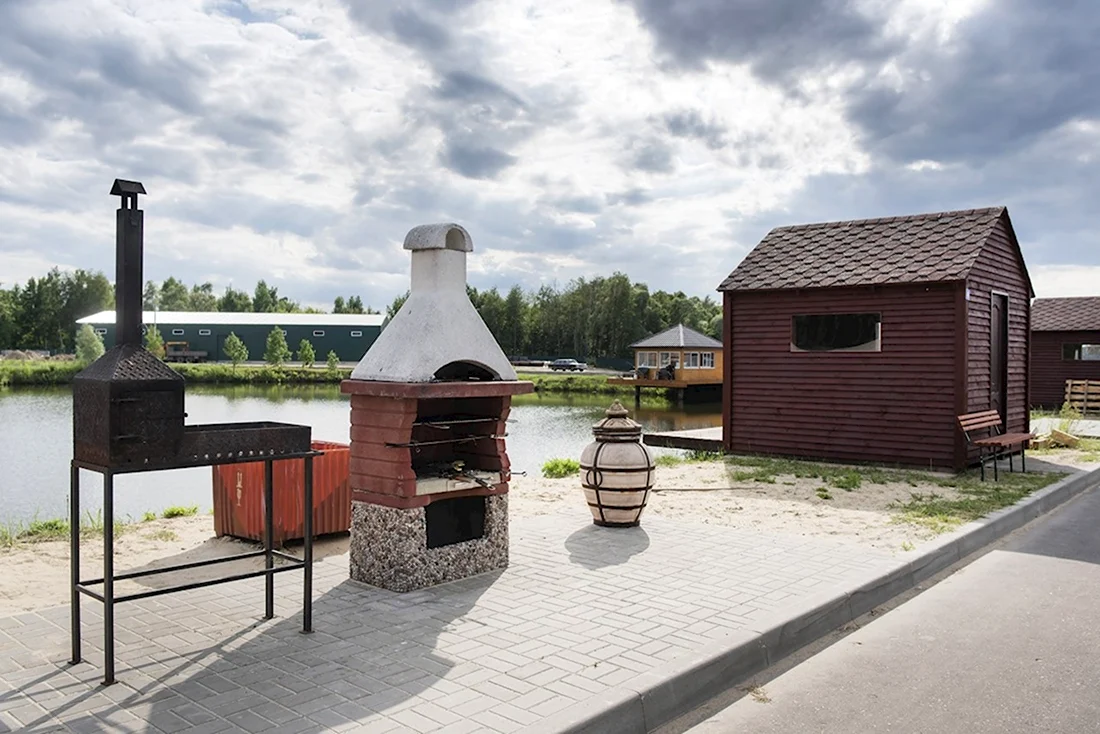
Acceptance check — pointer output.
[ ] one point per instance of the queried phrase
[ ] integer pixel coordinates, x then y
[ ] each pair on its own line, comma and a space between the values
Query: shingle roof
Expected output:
1066, 314
678, 337
924, 248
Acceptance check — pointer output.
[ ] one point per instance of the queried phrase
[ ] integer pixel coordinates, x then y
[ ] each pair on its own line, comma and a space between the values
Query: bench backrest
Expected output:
986, 419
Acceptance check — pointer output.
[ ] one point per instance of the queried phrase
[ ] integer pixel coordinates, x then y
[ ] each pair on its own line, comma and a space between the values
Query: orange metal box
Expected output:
239, 496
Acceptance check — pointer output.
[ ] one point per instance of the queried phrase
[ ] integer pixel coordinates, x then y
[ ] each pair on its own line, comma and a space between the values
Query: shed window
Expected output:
837, 332
101, 332
647, 359
318, 332
668, 357
177, 332
1081, 352
357, 333
706, 360
691, 360
204, 332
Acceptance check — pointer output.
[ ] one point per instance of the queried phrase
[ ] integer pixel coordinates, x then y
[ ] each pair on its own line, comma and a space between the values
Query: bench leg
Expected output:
981, 462
1011, 467
1023, 460
996, 477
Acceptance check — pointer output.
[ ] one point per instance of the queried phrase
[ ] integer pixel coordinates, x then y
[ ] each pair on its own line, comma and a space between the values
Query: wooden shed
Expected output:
1065, 345
864, 340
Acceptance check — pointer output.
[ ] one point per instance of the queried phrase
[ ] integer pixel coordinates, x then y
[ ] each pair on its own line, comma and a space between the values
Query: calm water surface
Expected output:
36, 441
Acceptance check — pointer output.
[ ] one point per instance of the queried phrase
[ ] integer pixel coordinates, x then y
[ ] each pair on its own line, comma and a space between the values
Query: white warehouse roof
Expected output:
234, 318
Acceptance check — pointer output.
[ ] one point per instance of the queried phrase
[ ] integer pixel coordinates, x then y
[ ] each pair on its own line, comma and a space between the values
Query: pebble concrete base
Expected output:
655, 698
389, 547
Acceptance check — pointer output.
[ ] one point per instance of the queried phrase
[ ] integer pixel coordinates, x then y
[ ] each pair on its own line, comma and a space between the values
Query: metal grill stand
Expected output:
128, 417
108, 597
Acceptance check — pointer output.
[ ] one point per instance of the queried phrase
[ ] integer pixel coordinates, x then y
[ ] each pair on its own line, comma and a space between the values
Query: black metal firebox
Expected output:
128, 416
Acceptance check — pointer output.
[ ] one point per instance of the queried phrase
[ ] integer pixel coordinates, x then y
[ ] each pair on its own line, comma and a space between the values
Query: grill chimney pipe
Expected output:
129, 235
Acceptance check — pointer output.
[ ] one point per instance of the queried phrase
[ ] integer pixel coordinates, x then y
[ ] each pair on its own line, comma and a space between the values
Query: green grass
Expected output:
163, 534
669, 460
148, 516
574, 383
180, 511
976, 499
823, 493
560, 468
848, 481
38, 531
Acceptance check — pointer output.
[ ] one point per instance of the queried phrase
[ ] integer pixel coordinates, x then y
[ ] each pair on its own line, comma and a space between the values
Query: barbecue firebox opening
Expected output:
464, 370
454, 521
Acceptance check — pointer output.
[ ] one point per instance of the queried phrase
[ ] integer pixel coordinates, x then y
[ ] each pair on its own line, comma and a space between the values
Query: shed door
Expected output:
998, 358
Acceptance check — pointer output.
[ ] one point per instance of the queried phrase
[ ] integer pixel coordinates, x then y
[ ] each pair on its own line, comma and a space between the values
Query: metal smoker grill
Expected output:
128, 416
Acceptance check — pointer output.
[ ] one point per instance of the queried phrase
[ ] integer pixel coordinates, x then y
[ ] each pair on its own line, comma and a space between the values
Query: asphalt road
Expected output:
1010, 643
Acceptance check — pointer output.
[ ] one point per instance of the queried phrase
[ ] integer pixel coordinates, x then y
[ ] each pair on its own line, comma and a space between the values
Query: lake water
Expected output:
36, 441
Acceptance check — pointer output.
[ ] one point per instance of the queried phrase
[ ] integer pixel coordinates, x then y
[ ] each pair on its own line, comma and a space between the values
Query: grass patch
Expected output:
697, 455
848, 481
574, 383
148, 516
976, 499
669, 460
823, 493
560, 468
40, 531
180, 511
163, 534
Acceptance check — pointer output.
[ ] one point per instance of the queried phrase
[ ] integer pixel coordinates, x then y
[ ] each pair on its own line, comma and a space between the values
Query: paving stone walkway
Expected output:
580, 610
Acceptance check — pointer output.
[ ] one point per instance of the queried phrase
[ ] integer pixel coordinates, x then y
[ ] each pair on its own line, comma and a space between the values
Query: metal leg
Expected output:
108, 579
74, 560
1023, 460
307, 580
996, 456
981, 462
269, 541
1011, 462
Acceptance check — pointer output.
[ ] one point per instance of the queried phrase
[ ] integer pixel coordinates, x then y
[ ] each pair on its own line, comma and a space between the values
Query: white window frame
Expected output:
178, 332
357, 333
645, 359
706, 360
284, 331
318, 332
204, 332
691, 360
664, 358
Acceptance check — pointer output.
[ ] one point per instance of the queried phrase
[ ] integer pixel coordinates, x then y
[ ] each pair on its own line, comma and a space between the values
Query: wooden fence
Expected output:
1083, 395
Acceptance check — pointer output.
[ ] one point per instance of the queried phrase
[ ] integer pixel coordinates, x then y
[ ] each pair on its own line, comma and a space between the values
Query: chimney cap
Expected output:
446, 236
122, 187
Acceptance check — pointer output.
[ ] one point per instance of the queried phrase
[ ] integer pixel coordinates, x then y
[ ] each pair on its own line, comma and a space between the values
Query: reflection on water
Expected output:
36, 440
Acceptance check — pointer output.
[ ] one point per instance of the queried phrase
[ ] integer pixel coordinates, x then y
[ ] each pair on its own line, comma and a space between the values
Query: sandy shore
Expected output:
36, 575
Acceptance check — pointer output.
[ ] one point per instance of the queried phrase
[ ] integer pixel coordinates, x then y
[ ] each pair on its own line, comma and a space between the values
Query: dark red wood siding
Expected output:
1049, 371
999, 269
894, 406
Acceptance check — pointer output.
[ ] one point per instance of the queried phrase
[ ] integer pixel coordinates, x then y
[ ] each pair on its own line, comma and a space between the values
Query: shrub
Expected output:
235, 349
277, 350
154, 342
306, 355
89, 347
177, 511
332, 363
559, 468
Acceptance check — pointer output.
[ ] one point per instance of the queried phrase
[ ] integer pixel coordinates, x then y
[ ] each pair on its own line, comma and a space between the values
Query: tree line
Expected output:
588, 318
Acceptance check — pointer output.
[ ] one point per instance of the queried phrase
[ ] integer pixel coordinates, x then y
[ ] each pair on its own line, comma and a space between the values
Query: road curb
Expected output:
682, 685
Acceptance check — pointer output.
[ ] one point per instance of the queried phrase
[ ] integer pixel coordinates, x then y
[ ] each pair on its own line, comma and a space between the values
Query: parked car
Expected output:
568, 365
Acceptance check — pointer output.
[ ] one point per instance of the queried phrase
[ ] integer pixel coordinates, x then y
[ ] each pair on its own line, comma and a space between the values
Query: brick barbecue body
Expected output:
429, 405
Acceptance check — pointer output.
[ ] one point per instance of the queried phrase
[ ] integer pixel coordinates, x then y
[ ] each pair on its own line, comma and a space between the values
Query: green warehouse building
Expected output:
349, 335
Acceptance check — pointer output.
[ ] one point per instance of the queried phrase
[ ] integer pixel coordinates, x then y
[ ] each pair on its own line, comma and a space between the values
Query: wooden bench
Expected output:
995, 443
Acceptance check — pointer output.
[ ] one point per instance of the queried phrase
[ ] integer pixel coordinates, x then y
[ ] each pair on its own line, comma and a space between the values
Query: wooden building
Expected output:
1065, 345
678, 357
864, 340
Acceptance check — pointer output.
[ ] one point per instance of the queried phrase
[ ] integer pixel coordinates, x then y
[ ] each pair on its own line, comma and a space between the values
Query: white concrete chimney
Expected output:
437, 334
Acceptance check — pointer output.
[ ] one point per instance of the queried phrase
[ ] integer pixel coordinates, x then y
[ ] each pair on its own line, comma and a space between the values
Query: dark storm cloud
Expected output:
652, 155
690, 124
776, 38
1015, 72
473, 161
260, 214
106, 82
482, 120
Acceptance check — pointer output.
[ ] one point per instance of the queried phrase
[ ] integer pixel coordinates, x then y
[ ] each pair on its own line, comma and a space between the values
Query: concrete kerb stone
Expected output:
682, 685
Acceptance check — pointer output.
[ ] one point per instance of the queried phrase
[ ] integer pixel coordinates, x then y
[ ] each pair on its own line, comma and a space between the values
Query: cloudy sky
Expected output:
298, 140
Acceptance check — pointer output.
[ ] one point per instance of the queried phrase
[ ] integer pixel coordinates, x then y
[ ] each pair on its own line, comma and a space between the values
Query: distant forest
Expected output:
588, 318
